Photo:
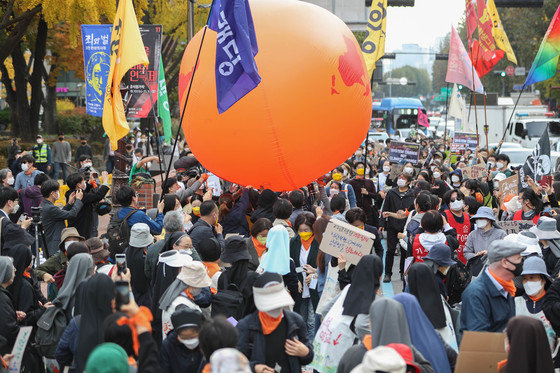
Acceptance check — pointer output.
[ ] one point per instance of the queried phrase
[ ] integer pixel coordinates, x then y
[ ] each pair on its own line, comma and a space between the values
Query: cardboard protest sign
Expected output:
480, 352
19, 348
402, 152
515, 226
343, 238
475, 172
509, 186
469, 139
331, 289
396, 170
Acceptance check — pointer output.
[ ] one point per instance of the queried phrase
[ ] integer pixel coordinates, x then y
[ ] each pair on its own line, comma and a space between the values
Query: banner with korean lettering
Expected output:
134, 84
95, 41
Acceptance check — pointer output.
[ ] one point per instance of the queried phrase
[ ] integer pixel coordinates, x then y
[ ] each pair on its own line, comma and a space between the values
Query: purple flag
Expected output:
236, 48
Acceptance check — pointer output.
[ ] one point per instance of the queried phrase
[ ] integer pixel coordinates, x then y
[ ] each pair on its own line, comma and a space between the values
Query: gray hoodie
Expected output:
478, 240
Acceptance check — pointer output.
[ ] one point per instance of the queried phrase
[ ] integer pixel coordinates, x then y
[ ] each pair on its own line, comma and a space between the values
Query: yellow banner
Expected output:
127, 51
373, 47
502, 41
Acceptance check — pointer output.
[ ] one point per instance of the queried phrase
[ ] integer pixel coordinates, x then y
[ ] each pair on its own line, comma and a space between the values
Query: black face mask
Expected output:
518, 268
83, 142
61, 138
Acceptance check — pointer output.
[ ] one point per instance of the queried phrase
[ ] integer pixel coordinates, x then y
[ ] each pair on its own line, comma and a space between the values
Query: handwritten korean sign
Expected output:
474, 172
509, 186
19, 348
515, 226
343, 238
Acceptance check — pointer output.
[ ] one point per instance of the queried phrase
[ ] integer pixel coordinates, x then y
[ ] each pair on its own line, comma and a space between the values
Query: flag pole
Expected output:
485, 118
446, 110
474, 97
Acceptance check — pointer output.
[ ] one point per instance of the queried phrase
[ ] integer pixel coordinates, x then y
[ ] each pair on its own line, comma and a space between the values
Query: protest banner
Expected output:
509, 186
95, 42
330, 290
343, 238
458, 148
402, 152
396, 170
480, 352
515, 226
19, 348
475, 172
137, 98
469, 139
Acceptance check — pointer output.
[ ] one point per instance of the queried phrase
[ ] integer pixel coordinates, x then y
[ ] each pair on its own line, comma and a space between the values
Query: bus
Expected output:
396, 113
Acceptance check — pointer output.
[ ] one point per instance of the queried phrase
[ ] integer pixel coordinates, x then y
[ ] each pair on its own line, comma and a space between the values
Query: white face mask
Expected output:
499, 165
16, 208
39, 141
519, 206
496, 185
456, 205
345, 173
491, 164
191, 344
10, 181
386, 168
24, 167
532, 287
432, 168
334, 192
401, 183
455, 179
437, 175
57, 196
408, 170
275, 313
87, 164
481, 223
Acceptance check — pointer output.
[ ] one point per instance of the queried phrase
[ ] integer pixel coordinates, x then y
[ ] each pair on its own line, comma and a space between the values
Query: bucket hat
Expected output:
235, 249
546, 229
140, 235
484, 213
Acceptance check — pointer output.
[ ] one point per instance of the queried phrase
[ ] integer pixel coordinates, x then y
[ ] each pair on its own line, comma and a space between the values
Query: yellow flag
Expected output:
502, 41
373, 47
127, 51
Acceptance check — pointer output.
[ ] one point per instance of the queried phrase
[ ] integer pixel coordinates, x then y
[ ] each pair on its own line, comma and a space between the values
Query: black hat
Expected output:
209, 250
185, 317
235, 250
267, 198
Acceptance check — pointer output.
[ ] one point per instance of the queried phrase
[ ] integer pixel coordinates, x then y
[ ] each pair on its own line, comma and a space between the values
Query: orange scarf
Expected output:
501, 364
4, 362
259, 247
206, 368
287, 221
132, 362
269, 323
211, 268
142, 318
367, 342
536, 299
508, 285
307, 243
26, 273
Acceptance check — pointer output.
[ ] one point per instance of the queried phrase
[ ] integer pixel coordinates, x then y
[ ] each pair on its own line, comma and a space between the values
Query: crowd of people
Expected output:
219, 277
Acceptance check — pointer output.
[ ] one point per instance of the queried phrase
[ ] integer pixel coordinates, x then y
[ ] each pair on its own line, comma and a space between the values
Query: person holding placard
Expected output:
365, 194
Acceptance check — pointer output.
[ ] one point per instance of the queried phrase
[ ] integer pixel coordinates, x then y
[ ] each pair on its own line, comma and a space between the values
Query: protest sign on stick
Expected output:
19, 348
469, 139
477, 171
342, 238
515, 226
509, 186
402, 152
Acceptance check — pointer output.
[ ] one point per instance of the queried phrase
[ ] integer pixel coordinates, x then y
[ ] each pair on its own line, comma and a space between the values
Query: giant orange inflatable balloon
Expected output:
310, 112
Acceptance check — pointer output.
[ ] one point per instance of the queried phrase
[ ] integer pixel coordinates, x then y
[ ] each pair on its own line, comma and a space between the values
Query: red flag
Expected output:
482, 65
471, 21
423, 118
485, 36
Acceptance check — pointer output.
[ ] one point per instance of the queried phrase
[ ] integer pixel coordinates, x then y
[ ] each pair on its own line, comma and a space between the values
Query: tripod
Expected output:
38, 228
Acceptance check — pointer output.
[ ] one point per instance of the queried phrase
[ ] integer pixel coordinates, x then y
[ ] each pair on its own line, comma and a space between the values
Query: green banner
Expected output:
163, 104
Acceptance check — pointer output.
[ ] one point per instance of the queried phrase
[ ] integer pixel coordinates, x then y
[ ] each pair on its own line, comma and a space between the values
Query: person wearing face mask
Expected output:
365, 194
456, 178
502, 164
359, 156
207, 226
457, 218
273, 338
11, 232
142, 166
491, 163
488, 301
535, 283
191, 288
340, 174
439, 261
180, 351
28, 172
485, 233
53, 217
61, 156
383, 178
42, 154
549, 240
83, 149
398, 199
6, 177
531, 206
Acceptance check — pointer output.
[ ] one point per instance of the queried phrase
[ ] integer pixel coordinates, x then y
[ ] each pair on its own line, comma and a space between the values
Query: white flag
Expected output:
458, 110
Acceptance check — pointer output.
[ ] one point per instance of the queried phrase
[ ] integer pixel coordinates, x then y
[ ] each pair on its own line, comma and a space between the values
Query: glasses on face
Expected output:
186, 247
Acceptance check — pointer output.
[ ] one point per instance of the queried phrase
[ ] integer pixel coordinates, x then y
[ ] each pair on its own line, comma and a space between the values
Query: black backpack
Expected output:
228, 302
118, 234
50, 327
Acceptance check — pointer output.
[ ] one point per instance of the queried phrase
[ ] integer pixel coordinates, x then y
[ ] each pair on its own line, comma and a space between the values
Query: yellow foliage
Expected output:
64, 105
172, 14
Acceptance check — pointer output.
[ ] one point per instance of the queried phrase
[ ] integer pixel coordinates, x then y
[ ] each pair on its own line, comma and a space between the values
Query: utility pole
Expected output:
190, 20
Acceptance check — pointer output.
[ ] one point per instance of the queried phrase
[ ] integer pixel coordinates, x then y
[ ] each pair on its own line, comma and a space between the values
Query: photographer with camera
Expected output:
11, 232
53, 218
84, 222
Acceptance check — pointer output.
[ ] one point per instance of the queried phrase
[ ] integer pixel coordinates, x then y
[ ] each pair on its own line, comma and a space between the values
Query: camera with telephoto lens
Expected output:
36, 215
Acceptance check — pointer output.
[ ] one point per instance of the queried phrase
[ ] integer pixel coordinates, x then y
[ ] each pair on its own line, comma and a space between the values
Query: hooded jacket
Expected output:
30, 197
424, 242
479, 240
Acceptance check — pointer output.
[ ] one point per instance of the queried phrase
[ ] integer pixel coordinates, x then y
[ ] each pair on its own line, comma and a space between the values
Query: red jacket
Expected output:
463, 230
519, 216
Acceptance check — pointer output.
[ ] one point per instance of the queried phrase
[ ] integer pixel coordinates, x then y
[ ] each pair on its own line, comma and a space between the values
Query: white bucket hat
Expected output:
140, 235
